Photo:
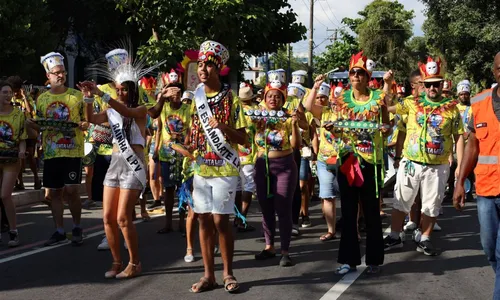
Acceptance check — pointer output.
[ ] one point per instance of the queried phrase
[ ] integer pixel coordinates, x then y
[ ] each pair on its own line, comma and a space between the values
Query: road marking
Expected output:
35, 251
345, 282
25, 224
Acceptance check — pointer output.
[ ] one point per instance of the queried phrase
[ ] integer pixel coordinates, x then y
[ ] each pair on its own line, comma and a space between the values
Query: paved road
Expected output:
66, 272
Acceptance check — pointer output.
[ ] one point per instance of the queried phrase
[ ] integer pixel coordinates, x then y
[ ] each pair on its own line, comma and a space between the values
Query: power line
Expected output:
315, 16
324, 11
333, 12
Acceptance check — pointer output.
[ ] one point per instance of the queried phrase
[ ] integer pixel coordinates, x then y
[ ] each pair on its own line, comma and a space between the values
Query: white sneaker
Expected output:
189, 258
103, 245
417, 235
410, 226
436, 227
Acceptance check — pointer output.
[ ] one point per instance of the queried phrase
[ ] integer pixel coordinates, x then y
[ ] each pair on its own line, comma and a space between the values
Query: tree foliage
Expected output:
251, 27
279, 60
383, 29
465, 33
336, 55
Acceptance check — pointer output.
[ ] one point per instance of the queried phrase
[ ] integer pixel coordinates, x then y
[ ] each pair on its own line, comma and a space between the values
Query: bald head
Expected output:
496, 68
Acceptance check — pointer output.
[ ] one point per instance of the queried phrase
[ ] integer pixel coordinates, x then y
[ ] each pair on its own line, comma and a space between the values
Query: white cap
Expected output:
187, 95
299, 76
296, 90
463, 86
324, 90
51, 60
274, 75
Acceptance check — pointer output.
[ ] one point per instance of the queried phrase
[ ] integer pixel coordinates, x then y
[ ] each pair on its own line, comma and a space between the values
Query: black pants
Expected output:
297, 195
349, 252
101, 166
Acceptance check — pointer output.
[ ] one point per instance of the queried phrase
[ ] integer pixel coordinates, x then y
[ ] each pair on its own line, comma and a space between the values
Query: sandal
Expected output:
264, 254
203, 285
189, 258
164, 230
114, 270
135, 271
372, 270
344, 269
228, 280
328, 237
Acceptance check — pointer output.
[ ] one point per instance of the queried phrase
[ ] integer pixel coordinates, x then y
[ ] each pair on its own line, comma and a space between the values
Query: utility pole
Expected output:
334, 35
311, 42
288, 70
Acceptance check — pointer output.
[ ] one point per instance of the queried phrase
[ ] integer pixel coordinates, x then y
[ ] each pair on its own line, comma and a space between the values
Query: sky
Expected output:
329, 13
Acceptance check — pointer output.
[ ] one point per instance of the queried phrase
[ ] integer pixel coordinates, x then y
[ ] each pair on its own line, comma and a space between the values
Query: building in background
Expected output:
255, 68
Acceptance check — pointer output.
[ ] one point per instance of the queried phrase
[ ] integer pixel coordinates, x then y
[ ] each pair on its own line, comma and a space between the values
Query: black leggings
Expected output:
297, 195
101, 166
349, 252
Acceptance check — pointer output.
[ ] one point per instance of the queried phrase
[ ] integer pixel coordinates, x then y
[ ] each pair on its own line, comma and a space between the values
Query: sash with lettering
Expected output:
126, 151
214, 135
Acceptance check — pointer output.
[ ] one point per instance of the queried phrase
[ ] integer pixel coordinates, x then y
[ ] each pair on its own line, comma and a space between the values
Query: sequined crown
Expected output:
214, 52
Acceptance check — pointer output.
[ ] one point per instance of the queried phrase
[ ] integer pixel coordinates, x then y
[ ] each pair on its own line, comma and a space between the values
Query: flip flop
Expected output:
344, 269
203, 285
230, 279
328, 237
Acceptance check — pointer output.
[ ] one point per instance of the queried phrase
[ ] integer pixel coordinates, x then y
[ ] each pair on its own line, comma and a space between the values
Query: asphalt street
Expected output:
66, 272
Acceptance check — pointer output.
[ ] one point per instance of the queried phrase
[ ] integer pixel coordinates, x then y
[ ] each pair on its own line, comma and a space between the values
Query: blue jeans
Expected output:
488, 211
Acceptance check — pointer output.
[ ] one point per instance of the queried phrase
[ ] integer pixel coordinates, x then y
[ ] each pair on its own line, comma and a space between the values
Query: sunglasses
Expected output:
64, 73
359, 72
428, 85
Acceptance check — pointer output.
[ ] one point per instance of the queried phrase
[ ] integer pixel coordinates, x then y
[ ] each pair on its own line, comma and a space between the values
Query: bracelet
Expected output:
88, 100
106, 97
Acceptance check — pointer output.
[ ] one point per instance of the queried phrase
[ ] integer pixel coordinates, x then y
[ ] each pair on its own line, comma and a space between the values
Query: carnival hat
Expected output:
299, 77
374, 84
168, 78
148, 83
116, 58
51, 60
464, 86
279, 75
245, 93
432, 71
360, 61
277, 86
297, 90
400, 89
447, 85
214, 52
336, 91
324, 90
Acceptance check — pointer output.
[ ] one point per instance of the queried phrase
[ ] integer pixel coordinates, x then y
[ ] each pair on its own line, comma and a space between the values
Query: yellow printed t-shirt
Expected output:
99, 106
209, 164
12, 129
328, 143
173, 120
366, 144
430, 129
67, 107
278, 136
247, 154
20, 103
465, 117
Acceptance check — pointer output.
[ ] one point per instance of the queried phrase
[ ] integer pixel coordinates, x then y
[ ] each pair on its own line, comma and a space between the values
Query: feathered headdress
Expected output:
125, 68
362, 62
431, 71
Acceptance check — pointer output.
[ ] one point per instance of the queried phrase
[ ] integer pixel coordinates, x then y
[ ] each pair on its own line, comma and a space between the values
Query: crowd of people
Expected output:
214, 148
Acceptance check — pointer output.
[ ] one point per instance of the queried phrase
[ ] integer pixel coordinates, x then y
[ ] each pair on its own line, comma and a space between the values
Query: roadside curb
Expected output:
30, 197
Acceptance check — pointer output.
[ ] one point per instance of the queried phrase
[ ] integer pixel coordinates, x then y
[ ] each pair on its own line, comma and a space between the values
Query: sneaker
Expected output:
295, 230
410, 226
156, 204
436, 227
14, 239
77, 238
417, 235
87, 204
55, 239
402, 236
306, 222
390, 243
103, 245
426, 248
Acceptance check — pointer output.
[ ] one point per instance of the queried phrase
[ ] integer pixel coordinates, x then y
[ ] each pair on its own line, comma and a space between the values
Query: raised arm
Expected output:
311, 98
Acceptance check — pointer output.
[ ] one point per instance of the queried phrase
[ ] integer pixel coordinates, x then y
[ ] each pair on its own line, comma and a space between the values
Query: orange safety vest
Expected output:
487, 129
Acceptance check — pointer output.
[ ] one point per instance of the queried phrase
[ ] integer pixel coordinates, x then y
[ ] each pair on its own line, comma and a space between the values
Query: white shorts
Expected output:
246, 182
431, 180
214, 194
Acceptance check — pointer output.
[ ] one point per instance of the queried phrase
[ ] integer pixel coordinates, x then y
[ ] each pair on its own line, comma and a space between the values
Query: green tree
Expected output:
248, 27
336, 55
465, 34
279, 60
383, 29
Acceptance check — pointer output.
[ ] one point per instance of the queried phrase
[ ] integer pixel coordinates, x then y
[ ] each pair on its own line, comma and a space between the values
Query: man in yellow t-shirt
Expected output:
62, 146
216, 174
433, 124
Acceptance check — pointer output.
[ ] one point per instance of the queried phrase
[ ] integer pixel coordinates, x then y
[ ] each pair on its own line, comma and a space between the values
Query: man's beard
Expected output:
435, 96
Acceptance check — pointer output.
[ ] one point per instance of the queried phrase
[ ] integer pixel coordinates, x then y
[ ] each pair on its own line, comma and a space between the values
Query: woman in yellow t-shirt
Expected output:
275, 170
12, 148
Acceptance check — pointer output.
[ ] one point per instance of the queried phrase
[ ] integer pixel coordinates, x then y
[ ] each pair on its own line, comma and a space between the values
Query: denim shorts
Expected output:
171, 173
305, 169
328, 185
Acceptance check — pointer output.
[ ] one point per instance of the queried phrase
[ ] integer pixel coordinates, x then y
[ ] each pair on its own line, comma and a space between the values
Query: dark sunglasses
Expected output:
358, 72
428, 85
